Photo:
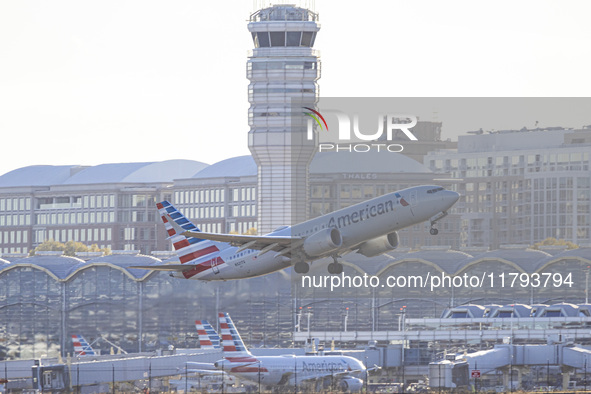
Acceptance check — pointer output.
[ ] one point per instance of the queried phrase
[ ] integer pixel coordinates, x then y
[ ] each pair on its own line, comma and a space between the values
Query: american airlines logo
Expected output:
366, 213
322, 366
349, 131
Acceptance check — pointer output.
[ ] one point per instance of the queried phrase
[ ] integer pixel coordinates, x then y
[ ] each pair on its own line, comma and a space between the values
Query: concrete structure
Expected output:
96, 374
282, 69
521, 186
514, 362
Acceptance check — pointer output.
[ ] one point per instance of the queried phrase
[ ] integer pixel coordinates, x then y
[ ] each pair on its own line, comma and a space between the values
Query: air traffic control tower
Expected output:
283, 70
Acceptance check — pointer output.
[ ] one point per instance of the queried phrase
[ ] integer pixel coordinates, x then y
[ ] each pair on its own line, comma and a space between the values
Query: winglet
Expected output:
177, 229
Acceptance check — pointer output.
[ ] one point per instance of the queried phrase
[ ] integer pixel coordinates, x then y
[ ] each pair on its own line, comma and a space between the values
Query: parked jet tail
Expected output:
81, 347
208, 337
232, 343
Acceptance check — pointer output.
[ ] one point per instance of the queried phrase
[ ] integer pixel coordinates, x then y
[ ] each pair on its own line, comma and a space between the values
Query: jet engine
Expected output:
351, 385
323, 242
379, 245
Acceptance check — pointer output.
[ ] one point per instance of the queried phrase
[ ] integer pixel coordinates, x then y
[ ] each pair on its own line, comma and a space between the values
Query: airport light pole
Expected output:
309, 313
511, 374
587, 284
259, 376
366, 375
222, 378
295, 374
346, 317
548, 374
585, 373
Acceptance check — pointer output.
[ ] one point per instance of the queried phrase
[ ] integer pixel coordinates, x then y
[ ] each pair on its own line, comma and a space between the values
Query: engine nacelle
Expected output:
351, 385
379, 245
322, 242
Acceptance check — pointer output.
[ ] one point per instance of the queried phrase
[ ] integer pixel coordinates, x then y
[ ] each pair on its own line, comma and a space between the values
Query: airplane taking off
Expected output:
316, 372
368, 228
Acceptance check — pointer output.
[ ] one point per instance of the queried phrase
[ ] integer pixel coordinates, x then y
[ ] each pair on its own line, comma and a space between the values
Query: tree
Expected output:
251, 231
70, 248
553, 241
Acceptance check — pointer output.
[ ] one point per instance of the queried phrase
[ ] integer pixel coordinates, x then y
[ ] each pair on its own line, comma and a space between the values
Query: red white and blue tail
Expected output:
189, 250
208, 337
81, 347
232, 344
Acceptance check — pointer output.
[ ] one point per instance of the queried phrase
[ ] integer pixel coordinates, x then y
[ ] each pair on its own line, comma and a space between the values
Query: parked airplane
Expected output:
206, 372
81, 346
315, 372
368, 228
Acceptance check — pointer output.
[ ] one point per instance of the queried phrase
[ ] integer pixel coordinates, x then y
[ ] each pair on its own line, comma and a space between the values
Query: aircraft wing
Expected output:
322, 375
164, 267
237, 240
201, 366
282, 244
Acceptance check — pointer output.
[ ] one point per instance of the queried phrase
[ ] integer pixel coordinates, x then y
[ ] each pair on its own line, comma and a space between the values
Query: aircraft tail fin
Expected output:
232, 343
187, 249
208, 337
81, 347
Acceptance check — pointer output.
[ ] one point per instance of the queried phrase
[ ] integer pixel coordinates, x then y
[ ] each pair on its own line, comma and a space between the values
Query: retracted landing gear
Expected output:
335, 267
301, 267
435, 219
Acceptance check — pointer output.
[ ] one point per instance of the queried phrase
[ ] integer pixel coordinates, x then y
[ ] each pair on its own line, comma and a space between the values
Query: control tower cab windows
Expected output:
283, 39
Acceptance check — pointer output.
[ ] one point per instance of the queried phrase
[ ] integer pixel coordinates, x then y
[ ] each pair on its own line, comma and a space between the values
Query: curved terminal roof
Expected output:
448, 260
58, 266
582, 253
63, 267
164, 171
38, 176
235, 167
126, 260
528, 260
452, 261
380, 162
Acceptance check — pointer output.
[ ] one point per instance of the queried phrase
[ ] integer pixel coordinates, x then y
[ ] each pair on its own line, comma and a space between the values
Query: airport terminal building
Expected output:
47, 298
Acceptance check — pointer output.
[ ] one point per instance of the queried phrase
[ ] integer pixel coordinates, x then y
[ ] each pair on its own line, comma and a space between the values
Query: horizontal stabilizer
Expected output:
201, 366
164, 267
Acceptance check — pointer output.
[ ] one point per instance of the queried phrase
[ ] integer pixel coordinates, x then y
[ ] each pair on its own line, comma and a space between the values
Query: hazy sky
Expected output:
90, 82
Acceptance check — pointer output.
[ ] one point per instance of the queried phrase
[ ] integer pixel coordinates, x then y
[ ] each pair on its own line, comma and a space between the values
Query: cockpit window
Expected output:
437, 189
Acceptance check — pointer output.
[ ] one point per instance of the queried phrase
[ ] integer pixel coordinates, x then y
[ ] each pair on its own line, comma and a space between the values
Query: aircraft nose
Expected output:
450, 197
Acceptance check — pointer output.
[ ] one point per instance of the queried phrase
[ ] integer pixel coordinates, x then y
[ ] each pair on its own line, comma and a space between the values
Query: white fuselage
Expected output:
290, 370
356, 224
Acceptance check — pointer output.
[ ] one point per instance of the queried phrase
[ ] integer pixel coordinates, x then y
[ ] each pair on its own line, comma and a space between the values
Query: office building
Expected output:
521, 186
